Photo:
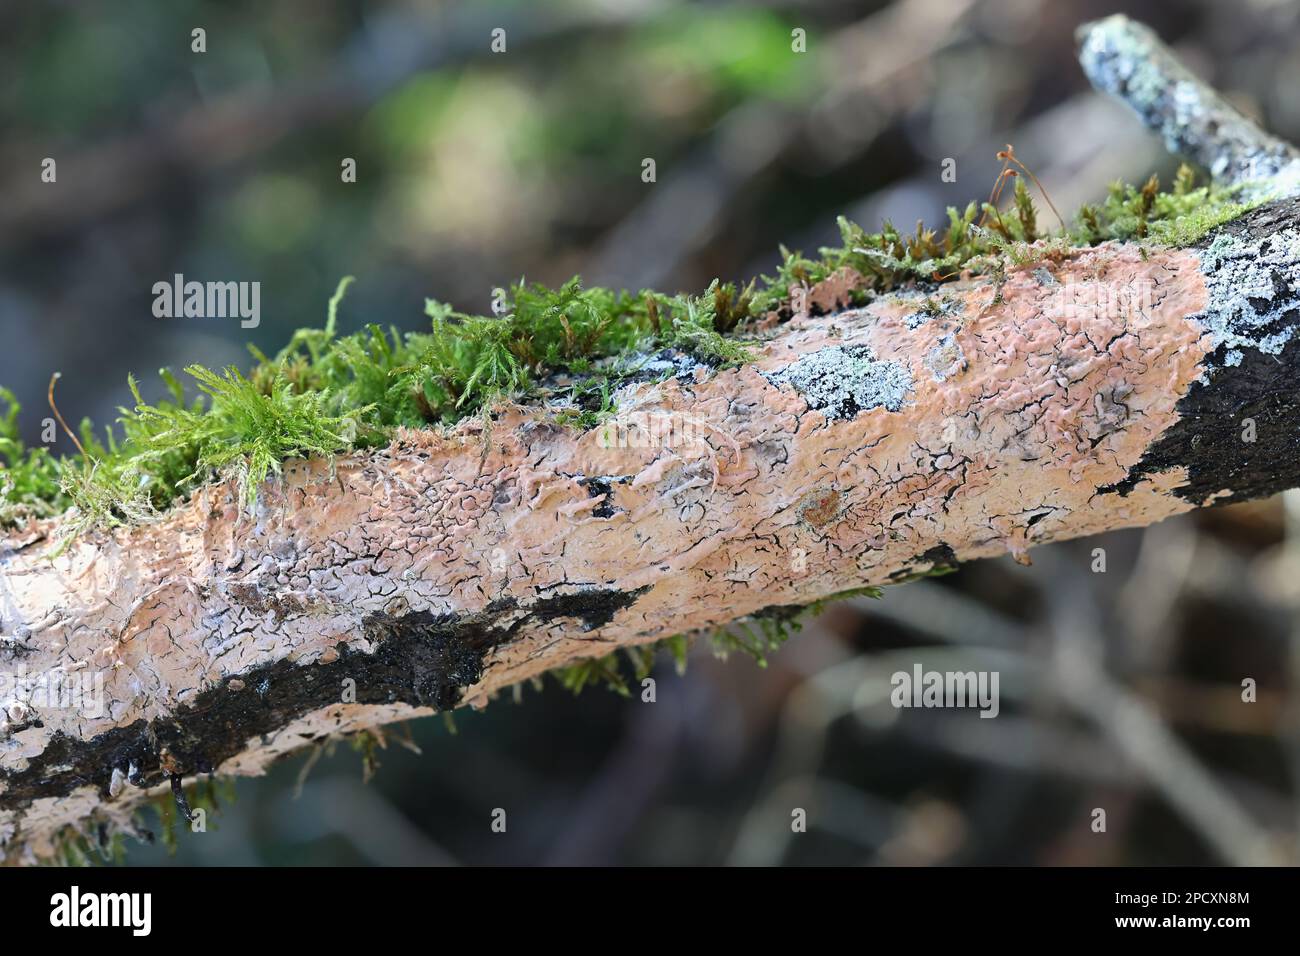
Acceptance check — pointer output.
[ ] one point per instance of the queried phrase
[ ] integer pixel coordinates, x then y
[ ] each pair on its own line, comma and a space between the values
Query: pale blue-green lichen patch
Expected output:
1253, 283
844, 380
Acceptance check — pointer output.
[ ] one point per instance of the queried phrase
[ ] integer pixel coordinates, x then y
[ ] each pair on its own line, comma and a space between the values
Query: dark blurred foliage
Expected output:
1120, 690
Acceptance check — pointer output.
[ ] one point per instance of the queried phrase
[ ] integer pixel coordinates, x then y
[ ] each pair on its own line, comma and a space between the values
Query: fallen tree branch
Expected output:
1076, 392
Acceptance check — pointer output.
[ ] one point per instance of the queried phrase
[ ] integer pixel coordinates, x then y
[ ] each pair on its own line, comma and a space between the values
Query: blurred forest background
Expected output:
1120, 690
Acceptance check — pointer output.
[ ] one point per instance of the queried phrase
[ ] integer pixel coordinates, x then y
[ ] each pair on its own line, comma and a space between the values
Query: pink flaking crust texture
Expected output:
719, 496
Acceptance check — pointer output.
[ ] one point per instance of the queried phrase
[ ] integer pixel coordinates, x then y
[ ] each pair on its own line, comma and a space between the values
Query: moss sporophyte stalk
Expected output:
325, 393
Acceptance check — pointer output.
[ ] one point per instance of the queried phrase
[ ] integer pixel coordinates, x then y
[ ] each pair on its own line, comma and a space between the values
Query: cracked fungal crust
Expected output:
1238, 430
441, 569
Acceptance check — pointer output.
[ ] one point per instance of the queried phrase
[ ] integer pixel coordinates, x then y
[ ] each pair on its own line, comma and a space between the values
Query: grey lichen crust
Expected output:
946, 359
843, 380
1127, 60
1254, 284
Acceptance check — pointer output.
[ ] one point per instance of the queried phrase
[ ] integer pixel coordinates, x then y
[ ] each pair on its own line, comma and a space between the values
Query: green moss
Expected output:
757, 636
885, 260
612, 670
1178, 217
325, 394
30, 477
767, 631
74, 847
102, 839
368, 744
867, 591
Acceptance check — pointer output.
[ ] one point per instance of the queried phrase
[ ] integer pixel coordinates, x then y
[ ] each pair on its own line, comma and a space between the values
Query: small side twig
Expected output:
1128, 61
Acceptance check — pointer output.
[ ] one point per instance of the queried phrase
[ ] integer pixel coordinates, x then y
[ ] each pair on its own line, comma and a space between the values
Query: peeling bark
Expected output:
1078, 394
